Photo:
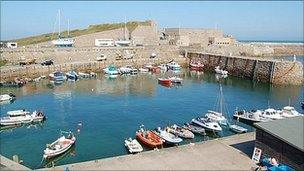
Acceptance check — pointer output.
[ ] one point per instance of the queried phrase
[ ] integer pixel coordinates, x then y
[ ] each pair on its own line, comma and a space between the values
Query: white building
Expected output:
11, 45
104, 42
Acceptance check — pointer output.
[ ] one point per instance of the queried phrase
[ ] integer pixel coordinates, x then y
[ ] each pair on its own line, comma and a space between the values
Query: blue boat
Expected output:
72, 75
111, 70
57, 76
266, 161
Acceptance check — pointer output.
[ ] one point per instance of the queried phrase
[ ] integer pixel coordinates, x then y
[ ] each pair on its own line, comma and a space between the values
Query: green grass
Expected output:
74, 33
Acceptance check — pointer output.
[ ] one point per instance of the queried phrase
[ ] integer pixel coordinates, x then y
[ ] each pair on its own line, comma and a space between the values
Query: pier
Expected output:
7, 164
228, 153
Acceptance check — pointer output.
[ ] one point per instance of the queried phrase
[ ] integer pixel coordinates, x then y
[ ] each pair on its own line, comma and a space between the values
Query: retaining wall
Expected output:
268, 71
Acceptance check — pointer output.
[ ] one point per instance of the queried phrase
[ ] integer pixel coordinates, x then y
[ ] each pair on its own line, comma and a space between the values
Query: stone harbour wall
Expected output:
268, 71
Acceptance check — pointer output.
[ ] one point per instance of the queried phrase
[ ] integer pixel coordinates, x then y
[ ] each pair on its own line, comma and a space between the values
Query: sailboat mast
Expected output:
59, 23
125, 30
68, 27
221, 99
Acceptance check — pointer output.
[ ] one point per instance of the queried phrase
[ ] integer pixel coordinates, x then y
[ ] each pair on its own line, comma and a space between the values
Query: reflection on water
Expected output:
112, 110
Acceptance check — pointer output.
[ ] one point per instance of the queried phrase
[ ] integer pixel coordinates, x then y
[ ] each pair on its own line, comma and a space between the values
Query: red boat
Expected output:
155, 69
148, 138
196, 66
166, 81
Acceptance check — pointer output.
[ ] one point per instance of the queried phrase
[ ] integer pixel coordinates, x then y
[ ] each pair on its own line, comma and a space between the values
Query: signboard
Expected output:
256, 155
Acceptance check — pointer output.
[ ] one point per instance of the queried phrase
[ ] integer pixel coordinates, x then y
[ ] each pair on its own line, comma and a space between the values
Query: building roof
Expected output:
289, 130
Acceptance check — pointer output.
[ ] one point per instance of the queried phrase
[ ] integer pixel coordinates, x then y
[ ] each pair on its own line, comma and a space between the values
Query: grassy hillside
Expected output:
74, 33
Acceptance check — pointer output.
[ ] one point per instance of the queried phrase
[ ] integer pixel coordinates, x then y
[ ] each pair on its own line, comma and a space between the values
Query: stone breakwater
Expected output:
268, 71
81, 59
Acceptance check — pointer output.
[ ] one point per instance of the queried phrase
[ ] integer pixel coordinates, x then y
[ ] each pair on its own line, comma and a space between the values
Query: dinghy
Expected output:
61, 145
168, 137
181, 132
207, 124
148, 138
194, 129
133, 146
237, 129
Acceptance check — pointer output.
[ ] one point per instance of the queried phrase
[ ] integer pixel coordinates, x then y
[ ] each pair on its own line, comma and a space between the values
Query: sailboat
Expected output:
124, 42
61, 41
218, 116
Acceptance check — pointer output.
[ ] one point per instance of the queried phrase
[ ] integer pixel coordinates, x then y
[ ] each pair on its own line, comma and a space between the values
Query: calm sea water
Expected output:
113, 109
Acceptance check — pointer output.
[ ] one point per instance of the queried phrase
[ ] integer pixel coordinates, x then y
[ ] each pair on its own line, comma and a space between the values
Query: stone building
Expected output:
145, 35
283, 140
196, 37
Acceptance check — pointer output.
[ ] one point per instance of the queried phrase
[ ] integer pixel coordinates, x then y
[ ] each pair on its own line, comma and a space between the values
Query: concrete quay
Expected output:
7, 164
219, 154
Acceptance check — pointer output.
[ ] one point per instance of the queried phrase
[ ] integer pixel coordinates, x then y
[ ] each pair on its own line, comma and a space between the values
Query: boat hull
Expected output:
152, 141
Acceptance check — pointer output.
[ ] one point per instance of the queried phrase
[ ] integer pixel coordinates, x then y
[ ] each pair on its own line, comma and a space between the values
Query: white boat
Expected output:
101, 57
84, 75
180, 131
111, 70
143, 70
21, 117
271, 113
128, 69
237, 129
163, 67
194, 129
218, 116
63, 42
176, 79
250, 117
207, 124
7, 97
220, 71
173, 66
168, 137
289, 111
133, 146
61, 145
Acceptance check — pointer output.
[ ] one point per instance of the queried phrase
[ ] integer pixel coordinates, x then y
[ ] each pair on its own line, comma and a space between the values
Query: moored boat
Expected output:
216, 117
237, 128
168, 137
72, 75
207, 124
7, 97
250, 117
220, 71
196, 66
111, 70
176, 80
180, 131
194, 129
21, 117
133, 145
271, 113
289, 111
61, 145
148, 138
173, 66
57, 76
163, 67
164, 81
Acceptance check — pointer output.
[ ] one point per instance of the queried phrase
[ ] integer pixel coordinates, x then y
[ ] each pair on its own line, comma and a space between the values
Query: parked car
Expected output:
102, 57
24, 61
47, 62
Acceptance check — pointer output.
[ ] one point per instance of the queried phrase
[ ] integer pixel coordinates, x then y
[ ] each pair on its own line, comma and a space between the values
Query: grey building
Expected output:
283, 140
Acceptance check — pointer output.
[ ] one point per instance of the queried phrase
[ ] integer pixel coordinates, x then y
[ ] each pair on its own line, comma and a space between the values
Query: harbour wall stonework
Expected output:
262, 70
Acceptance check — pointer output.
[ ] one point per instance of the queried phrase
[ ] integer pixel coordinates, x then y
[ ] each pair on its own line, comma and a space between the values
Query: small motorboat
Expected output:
180, 131
220, 71
111, 70
173, 66
289, 111
272, 114
176, 80
148, 138
57, 76
21, 117
194, 129
196, 66
7, 97
84, 75
143, 70
133, 146
237, 129
216, 117
207, 124
155, 69
272, 165
250, 117
128, 69
168, 137
61, 145
166, 81
72, 75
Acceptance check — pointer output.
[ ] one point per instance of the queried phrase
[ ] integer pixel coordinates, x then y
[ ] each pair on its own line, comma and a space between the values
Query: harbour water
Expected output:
111, 110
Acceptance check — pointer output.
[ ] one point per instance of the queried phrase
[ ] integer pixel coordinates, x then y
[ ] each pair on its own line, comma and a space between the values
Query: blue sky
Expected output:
246, 20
